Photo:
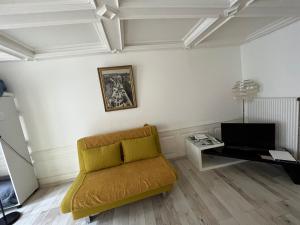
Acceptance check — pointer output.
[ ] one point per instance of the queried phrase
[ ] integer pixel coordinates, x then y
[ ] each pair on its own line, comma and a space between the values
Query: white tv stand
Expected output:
204, 161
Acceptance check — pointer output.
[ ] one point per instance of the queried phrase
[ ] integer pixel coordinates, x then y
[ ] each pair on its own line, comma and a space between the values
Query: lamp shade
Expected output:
245, 89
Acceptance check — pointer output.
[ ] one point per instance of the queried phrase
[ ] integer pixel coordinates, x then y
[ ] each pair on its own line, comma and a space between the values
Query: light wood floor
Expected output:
248, 193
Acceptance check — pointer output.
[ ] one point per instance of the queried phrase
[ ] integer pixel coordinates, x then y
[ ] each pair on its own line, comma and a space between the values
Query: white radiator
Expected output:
282, 111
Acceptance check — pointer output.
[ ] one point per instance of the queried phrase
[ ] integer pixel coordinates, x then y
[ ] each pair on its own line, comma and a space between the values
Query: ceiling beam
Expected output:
191, 37
210, 30
211, 15
158, 46
276, 25
205, 28
283, 11
127, 13
168, 13
16, 49
23, 7
7, 57
47, 19
117, 3
72, 50
144, 11
102, 34
178, 3
121, 34
276, 3
114, 33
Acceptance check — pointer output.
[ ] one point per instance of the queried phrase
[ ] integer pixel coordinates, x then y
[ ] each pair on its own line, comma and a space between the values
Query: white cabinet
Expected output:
18, 163
195, 154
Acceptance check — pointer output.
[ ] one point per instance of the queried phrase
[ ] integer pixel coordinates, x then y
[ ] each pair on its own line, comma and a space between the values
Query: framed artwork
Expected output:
117, 86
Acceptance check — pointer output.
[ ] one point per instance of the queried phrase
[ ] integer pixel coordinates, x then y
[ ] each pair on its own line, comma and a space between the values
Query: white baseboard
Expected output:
57, 179
60, 165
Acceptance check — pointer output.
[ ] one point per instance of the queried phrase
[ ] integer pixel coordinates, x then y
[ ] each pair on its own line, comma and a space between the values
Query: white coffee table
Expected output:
204, 161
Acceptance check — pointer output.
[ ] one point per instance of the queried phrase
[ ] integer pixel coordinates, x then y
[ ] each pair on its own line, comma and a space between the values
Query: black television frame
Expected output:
243, 142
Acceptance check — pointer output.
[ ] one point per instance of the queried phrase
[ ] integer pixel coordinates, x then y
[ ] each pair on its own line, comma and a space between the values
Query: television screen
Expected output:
249, 136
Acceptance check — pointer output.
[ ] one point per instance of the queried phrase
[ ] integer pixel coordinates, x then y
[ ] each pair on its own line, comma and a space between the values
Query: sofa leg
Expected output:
88, 219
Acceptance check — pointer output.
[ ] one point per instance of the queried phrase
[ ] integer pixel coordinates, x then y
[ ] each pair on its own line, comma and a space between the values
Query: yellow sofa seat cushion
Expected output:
102, 157
104, 187
139, 148
65, 205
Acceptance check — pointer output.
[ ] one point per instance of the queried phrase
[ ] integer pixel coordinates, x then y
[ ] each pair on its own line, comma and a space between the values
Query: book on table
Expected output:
282, 155
205, 141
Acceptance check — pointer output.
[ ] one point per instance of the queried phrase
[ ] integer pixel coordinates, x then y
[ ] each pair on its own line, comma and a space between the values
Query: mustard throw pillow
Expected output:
139, 148
102, 157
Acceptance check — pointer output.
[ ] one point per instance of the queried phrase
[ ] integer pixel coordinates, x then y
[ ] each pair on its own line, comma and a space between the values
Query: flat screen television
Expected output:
249, 136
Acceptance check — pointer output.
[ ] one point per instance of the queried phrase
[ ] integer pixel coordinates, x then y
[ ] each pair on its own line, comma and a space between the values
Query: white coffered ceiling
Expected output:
40, 29
156, 31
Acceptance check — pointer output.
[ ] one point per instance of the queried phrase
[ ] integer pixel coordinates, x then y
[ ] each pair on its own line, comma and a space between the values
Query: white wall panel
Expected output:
52, 168
273, 61
61, 100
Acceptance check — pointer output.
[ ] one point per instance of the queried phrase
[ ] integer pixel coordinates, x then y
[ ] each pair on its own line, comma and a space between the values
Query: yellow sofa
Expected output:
93, 192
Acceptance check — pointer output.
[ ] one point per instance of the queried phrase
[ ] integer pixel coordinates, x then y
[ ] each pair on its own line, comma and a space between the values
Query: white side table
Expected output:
204, 161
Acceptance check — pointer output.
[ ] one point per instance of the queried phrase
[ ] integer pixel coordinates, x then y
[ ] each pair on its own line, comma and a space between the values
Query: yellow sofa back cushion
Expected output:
91, 142
102, 157
139, 148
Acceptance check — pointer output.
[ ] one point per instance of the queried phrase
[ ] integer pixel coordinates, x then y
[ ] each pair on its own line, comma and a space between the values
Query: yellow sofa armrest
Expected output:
66, 204
171, 166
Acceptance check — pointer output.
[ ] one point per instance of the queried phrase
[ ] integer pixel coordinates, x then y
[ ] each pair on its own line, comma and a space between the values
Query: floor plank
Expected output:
248, 193
204, 192
121, 216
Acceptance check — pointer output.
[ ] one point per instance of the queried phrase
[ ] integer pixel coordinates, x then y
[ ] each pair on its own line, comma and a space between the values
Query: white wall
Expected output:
61, 99
274, 61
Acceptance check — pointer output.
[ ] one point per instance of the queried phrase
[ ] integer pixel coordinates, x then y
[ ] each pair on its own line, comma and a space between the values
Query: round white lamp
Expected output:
245, 90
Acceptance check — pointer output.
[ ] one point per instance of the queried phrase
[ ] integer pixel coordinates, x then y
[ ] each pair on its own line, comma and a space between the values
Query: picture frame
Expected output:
117, 86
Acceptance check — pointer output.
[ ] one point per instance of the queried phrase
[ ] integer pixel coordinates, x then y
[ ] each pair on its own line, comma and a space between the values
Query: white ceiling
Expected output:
228, 34
41, 29
158, 31
54, 36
